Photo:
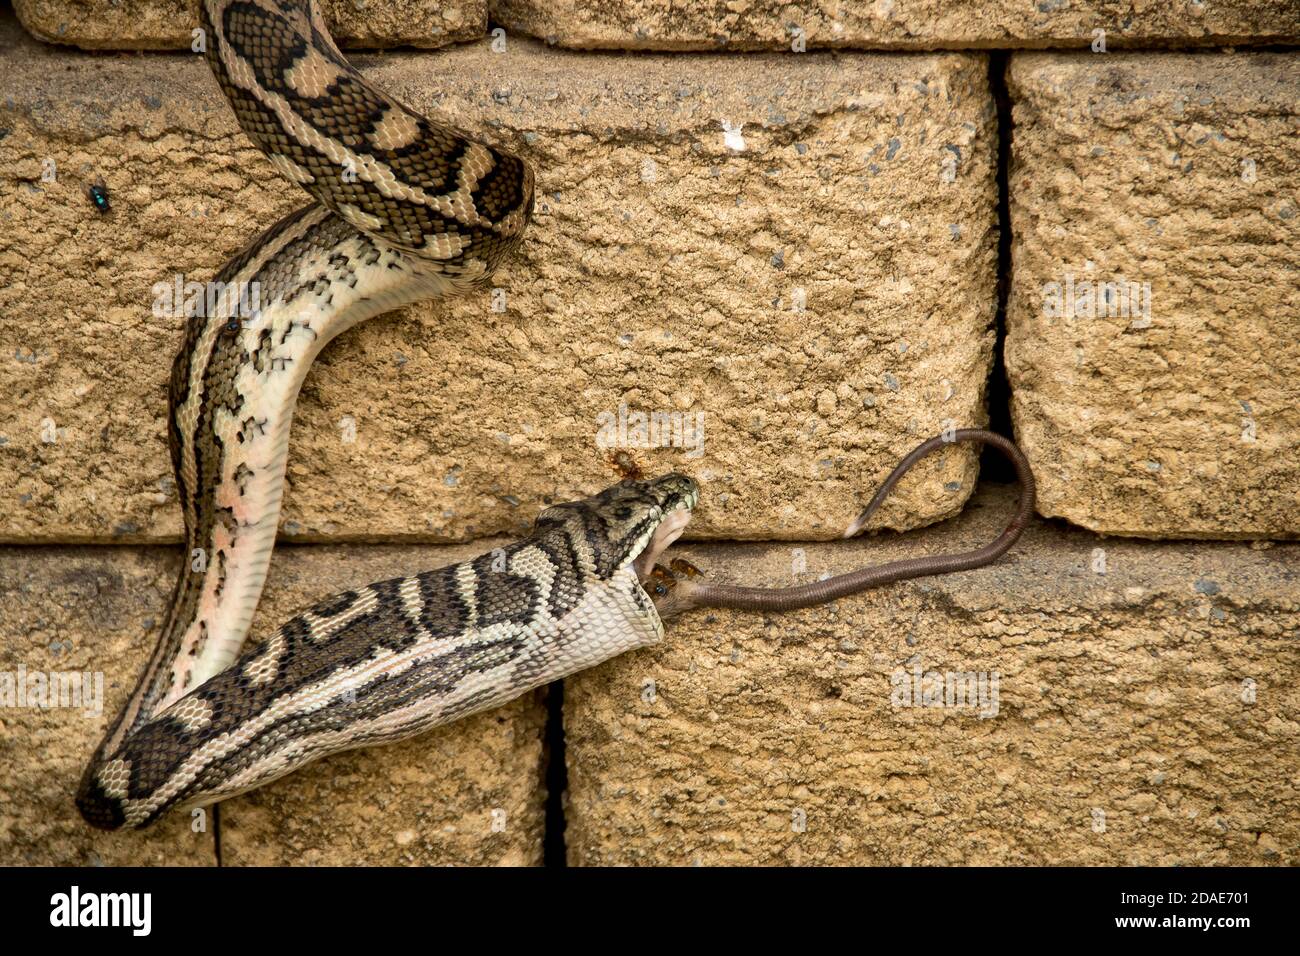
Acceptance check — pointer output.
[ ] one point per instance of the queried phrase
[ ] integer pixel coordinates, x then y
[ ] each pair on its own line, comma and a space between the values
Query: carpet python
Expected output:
406, 209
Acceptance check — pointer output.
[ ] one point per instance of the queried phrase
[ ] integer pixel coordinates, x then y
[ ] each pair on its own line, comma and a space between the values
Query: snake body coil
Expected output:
406, 209
396, 658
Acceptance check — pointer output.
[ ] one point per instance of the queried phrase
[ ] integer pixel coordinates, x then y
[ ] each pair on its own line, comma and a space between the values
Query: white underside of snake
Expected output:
405, 209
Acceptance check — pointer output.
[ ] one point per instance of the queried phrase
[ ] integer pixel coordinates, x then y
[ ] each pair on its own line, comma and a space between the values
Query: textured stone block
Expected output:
1151, 332
468, 793
797, 252
894, 24
168, 24
1146, 712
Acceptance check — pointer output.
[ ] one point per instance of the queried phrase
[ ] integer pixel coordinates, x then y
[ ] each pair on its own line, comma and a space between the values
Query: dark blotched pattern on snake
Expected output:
405, 209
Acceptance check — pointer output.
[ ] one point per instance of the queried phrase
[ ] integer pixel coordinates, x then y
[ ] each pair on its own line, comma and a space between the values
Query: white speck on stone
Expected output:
731, 136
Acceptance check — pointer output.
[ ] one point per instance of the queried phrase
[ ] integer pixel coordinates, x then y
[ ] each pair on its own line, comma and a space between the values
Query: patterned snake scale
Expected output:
393, 659
406, 209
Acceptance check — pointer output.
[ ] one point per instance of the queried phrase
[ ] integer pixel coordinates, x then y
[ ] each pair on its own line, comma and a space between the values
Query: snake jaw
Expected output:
668, 531
672, 500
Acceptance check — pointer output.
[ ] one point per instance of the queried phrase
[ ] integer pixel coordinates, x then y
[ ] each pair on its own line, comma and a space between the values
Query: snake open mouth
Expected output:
679, 497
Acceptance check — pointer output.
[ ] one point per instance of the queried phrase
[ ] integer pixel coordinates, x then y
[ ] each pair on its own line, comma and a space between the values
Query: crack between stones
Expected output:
216, 833
556, 778
993, 466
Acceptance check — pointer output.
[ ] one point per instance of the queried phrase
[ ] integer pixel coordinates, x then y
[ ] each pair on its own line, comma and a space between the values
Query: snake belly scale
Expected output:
406, 209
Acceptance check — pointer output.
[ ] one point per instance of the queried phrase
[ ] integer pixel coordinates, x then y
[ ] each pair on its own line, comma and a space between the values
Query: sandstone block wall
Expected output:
1151, 333
798, 252
707, 25
793, 266
1144, 714
169, 24
894, 24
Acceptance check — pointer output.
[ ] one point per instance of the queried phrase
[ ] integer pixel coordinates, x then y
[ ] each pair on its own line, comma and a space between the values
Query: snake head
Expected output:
630, 523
